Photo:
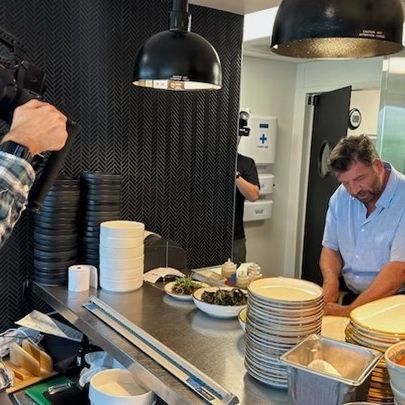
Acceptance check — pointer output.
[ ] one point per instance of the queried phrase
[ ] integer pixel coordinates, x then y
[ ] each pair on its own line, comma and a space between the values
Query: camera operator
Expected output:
36, 127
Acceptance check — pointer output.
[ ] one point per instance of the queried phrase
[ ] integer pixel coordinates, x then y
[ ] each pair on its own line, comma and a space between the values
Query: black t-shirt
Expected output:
247, 169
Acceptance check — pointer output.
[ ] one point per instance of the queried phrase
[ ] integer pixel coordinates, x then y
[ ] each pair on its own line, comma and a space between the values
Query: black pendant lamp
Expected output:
338, 28
178, 59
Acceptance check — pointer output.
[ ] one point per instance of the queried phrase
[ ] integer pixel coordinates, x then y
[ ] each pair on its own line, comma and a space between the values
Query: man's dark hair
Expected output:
352, 149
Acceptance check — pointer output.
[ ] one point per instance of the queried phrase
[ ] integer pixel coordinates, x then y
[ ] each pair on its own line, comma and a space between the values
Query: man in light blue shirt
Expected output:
364, 236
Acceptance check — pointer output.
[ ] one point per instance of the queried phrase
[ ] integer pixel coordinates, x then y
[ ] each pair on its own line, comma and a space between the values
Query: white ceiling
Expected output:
237, 6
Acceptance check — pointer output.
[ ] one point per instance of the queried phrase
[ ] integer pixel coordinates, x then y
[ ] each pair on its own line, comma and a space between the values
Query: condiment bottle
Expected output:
228, 269
242, 279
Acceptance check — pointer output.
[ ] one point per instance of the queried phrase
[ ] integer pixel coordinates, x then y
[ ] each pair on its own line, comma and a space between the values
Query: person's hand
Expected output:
39, 126
337, 309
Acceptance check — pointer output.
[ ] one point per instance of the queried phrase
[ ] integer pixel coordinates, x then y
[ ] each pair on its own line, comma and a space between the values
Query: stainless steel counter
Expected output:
214, 346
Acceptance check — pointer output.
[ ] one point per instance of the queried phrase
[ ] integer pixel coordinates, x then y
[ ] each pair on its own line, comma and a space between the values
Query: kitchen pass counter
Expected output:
214, 346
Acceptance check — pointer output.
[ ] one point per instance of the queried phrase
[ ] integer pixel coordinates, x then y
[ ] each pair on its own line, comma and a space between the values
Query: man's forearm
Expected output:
388, 282
248, 190
331, 266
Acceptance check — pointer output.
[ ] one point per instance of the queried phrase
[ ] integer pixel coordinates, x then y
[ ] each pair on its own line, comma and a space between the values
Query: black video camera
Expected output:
244, 130
21, 81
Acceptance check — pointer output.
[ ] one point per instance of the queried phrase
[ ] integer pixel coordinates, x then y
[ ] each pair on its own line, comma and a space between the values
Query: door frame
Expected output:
298, 176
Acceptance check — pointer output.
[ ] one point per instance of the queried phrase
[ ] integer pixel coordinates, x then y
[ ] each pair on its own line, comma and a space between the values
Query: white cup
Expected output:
127, 285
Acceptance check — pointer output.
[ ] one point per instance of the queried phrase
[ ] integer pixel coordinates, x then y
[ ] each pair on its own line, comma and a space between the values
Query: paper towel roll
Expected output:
81, 276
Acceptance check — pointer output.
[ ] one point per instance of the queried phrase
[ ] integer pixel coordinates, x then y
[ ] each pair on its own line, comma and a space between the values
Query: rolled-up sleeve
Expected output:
16, 179
330, 239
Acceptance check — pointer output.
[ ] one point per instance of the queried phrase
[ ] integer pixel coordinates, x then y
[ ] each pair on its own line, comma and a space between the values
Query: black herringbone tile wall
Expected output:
175, 152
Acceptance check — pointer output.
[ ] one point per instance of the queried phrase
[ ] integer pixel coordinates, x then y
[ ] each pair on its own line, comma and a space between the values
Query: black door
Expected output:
330, 122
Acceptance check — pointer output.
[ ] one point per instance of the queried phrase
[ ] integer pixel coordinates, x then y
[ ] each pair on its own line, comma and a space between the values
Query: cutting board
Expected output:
30, 365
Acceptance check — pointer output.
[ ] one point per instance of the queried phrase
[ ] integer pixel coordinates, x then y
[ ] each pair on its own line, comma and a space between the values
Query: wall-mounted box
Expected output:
258, 210
260, 145
266, 182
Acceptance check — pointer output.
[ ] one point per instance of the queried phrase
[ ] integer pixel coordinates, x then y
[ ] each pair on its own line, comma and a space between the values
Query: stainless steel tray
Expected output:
309, 386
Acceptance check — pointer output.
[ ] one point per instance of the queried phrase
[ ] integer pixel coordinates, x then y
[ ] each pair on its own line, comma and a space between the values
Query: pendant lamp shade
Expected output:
178, 59
338, 28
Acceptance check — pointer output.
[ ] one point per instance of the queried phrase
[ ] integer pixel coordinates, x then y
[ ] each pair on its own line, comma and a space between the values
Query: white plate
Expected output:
182, 297
334, 327
285, 290
218, 311
242, 318
384, 315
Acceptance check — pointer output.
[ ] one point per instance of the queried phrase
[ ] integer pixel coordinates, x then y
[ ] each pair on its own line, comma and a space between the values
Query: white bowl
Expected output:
119, 245
122, 229
120, 251
121, 262
395, 370
120, 285
118, 387
398, 394
111, 274
116, 273
218, 311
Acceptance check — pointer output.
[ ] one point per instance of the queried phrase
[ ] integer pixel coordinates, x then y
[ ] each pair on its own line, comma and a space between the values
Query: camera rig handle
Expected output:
50, 172
21, 81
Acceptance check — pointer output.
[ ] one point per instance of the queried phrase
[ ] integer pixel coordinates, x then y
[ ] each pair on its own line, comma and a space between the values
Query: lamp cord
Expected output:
179, 17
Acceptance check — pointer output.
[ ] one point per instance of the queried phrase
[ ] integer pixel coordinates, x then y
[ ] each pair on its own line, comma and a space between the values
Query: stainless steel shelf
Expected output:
214, 346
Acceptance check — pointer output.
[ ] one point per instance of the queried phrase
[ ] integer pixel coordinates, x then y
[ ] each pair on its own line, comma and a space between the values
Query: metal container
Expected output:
308, 386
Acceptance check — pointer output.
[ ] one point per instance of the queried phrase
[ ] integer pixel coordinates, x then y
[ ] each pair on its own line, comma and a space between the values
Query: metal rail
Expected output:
199, 382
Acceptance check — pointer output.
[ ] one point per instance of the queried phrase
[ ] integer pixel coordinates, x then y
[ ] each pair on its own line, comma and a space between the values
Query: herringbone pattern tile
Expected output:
175, 152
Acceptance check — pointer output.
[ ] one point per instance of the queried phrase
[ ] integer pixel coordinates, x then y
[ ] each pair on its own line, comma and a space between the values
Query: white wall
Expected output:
268, 88
276, 88
368, 103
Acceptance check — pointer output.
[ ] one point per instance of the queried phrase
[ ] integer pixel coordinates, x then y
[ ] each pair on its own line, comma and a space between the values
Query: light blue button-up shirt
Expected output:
366, 244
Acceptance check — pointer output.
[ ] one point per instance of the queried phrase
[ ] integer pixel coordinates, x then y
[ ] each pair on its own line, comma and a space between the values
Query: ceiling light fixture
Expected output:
178, 59
338, 28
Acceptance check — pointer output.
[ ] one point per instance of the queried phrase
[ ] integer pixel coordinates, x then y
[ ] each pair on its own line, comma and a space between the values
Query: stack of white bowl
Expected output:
121, 255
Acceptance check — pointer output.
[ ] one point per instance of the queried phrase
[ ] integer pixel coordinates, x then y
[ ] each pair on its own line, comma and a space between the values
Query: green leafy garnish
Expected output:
185, 286
225, 297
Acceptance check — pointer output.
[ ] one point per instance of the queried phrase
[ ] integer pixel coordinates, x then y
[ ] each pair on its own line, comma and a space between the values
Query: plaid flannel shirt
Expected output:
16, 178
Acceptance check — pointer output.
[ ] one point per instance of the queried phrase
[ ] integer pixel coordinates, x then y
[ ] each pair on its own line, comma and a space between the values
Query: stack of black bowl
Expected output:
101, 201
56, 233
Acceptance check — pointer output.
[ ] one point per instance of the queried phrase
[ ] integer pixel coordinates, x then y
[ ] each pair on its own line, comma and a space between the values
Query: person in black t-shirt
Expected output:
247, 187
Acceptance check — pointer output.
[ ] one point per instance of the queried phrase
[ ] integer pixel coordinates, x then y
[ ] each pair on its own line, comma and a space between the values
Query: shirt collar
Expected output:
391, 186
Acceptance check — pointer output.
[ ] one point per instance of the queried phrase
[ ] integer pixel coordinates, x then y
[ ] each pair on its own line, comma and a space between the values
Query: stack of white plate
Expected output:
121, 255
378, 325
280, 313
